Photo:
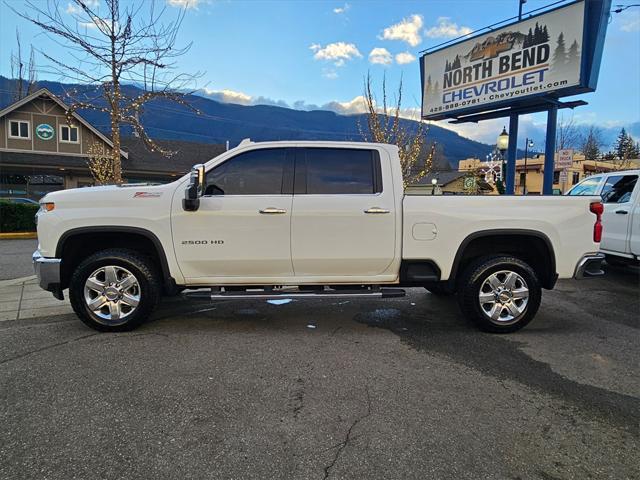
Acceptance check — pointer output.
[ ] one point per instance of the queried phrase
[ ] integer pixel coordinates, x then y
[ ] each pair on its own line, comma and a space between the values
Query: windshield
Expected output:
589, 186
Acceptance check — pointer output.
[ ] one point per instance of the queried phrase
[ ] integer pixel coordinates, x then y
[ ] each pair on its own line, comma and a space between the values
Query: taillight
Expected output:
597, 208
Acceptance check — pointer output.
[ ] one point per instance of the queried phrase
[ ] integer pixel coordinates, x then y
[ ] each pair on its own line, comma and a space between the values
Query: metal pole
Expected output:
521, 3
526, 151
511, 155
549, 150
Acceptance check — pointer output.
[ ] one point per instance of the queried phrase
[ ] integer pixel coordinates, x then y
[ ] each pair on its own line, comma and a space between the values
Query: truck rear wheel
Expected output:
114, 290
501, 294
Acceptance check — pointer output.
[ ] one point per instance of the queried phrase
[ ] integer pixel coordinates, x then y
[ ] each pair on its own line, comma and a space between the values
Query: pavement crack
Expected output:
48, 347
342, 445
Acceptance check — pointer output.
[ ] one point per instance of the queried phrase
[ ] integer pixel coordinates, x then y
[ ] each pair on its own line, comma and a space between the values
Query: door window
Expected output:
618, 188
588, 186
257, 172
334, 171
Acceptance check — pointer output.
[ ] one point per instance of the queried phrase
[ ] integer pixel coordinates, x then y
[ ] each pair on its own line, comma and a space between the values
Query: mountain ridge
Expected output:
221, 122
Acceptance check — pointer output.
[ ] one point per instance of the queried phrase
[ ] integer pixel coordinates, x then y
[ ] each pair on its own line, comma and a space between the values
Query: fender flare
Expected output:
164, 264
501, 232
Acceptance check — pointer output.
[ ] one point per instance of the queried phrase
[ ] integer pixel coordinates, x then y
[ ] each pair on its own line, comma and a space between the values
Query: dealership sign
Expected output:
544, 54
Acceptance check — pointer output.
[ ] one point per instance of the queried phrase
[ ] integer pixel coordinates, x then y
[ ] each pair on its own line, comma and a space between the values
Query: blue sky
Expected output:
312, 54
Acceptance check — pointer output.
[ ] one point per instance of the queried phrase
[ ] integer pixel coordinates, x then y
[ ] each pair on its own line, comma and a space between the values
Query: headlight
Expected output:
47, 206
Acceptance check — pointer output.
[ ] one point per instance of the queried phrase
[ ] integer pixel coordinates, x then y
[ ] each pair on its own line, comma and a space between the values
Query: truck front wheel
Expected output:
114, 290
501, 294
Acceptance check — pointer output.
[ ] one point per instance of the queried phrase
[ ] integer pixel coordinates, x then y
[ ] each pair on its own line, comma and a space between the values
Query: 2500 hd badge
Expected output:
202, 242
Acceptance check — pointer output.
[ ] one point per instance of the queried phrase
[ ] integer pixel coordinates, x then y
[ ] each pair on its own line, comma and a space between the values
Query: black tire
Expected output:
148, 288
440, 289
472, 280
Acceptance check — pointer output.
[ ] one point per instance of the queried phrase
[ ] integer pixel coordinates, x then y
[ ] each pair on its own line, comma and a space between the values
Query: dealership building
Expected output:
40, 151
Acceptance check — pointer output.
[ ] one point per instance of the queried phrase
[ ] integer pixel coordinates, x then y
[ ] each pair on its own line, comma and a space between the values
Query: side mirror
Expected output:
195, 190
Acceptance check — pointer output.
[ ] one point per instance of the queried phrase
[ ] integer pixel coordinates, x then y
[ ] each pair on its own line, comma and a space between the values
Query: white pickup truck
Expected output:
308, 219
620, 193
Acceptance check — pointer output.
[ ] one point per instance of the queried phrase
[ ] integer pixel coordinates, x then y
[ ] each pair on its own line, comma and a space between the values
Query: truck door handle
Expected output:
272, 211
621, 212
376, 210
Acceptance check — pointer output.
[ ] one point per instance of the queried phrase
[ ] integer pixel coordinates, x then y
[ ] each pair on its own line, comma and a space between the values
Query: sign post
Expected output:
564, 163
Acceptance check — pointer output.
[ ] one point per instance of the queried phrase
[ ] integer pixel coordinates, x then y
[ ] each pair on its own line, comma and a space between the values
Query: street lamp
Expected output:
434, 183
527, 145
503, 141
502, 144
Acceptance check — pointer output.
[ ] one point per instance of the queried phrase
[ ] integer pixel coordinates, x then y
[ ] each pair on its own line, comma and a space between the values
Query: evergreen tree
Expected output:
560, 53
574, 53
528, 39
591, 144
536, 34
624, 146
545, 35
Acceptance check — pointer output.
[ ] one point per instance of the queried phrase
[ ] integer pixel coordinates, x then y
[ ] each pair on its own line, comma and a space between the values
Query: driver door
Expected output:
242, 228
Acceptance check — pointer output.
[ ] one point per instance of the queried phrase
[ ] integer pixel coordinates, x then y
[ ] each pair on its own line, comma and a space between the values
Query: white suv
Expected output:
621, 218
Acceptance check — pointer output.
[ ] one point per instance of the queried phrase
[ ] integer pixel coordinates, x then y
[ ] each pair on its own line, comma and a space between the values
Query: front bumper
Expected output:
48, 272
589, 266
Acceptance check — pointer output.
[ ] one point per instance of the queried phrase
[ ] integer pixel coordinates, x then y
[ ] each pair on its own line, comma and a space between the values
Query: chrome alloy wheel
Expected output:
503, 296
112, 293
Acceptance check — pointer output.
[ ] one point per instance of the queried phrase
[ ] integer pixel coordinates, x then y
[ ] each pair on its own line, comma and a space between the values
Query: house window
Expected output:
19, 129
68, 133
576, 177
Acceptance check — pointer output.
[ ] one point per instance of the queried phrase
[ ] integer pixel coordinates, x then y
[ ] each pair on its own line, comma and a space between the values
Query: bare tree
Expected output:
385, 126
24, 75
566, 133
110, 48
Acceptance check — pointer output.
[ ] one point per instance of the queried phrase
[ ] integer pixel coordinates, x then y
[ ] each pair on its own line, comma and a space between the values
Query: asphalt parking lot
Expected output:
401, 388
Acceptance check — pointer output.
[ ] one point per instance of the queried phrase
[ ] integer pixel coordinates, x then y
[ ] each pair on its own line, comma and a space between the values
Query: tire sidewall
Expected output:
476, 278
140, 268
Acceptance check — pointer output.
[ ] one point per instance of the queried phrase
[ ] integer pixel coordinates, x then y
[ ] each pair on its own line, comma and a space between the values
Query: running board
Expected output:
218, 294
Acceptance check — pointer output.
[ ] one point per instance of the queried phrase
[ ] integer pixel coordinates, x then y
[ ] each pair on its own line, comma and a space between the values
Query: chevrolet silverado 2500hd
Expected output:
308, 219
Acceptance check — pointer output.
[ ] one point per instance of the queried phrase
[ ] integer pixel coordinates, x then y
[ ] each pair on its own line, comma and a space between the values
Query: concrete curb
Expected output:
17, 235
16, 281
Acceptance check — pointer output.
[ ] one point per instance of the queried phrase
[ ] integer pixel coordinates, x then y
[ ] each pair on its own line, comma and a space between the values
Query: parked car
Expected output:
18, 200
620, 195
308, 219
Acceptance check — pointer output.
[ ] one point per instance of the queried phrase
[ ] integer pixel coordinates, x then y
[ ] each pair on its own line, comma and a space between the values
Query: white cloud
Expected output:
338, 52
184, 3
341, 10
631, 23
72, 9
329, 73
380, 56
445, 28
408, 30
350, 107
404, 58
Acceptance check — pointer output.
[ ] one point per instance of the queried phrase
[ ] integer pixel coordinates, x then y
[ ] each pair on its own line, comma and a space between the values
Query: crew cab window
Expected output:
332, 171
257, 172
588, 186
618, 188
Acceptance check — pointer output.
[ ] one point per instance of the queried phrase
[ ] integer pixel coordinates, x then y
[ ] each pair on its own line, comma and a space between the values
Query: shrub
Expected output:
17, 217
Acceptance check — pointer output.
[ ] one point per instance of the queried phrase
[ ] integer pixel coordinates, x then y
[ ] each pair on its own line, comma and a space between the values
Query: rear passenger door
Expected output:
343, 217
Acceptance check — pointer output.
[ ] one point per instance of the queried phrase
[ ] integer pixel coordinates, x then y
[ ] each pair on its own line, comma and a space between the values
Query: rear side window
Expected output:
586, 187
257, 172
332, 171
618, 188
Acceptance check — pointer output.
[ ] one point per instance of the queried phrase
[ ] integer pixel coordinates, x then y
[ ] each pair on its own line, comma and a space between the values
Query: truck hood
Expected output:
109, 193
